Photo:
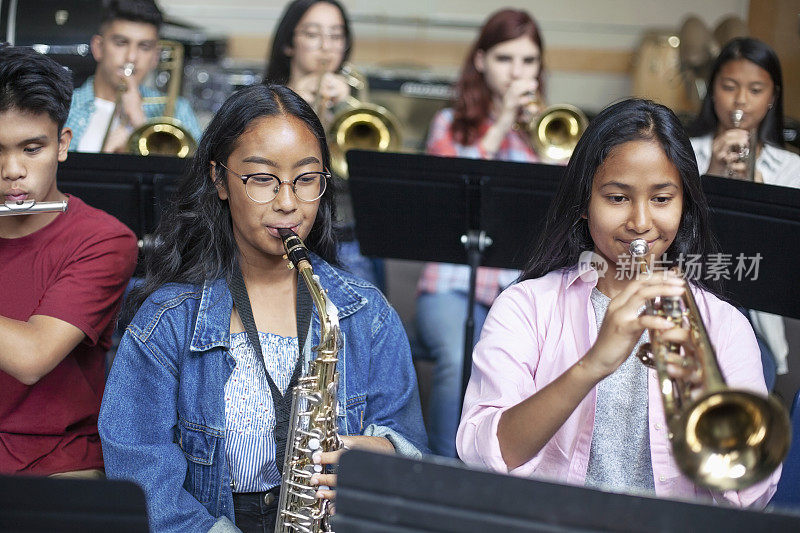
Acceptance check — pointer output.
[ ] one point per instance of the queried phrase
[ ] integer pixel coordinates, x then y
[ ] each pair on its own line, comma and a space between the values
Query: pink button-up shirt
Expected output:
538, 329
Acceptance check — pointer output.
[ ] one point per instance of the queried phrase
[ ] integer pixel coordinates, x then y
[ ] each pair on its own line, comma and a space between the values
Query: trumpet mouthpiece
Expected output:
736, 117
638, 247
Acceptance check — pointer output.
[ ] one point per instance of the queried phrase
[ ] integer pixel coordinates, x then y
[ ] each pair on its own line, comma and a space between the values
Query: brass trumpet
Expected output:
722, 438
747, 152
30, 207
554, 131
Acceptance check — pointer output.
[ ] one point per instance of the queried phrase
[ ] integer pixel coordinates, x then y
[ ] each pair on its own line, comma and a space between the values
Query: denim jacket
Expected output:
162, 421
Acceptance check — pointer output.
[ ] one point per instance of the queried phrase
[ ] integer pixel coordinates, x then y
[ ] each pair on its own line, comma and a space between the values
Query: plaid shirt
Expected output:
445, 277
82, 109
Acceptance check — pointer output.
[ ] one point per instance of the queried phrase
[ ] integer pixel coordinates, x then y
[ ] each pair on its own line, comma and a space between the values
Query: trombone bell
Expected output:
165, 135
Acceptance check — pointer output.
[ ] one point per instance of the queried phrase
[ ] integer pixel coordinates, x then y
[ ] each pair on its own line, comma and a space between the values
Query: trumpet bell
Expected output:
162, 136
732, 439
556, 132
365, 127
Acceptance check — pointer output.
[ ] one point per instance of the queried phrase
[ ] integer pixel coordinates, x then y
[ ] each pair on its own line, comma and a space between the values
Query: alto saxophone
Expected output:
722, 438
313, 421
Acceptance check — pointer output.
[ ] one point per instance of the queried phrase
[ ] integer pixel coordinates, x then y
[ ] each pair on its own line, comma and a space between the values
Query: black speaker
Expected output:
62, 29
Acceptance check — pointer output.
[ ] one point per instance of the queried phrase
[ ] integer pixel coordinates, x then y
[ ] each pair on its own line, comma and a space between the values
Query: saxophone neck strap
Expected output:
281, 402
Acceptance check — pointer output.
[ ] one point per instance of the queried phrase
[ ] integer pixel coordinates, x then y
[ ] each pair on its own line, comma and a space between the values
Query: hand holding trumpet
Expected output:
519, 101
733, 152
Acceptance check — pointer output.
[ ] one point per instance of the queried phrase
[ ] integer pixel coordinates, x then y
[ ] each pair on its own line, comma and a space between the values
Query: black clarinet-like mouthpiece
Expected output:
296, 250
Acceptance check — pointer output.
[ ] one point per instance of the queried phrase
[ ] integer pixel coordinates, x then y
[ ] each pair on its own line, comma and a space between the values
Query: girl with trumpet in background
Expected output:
497, 88
746, 80
746, 77
556, 390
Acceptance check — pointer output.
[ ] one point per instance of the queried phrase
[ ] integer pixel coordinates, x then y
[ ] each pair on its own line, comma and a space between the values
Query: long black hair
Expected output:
194, 241
566, 232
278, 63
771, 128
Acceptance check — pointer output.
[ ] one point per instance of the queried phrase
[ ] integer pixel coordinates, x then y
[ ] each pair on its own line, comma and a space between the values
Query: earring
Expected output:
769, 106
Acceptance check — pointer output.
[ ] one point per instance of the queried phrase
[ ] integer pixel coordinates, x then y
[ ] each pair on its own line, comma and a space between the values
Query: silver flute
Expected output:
29, 207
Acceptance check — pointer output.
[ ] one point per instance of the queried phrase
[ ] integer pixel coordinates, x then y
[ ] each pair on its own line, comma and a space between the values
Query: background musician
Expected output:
189, 412
108, 106
311, 42
63, 275
746, 76
557, 391
499, 81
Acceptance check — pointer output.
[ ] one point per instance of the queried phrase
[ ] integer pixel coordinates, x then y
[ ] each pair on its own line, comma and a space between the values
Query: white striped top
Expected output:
249, 413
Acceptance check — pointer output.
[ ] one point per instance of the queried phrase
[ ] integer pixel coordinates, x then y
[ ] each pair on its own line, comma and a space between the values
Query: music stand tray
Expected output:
388, 493
29, 504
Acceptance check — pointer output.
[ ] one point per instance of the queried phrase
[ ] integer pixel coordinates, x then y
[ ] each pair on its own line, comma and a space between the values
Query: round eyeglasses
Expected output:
263, 187
313, 39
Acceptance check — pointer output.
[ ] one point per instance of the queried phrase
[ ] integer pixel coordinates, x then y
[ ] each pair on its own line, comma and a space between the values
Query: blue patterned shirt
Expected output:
82, 109
249, 412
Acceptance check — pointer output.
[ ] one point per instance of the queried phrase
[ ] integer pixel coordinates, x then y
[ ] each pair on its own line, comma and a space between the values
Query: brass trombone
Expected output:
165, 135
722, 438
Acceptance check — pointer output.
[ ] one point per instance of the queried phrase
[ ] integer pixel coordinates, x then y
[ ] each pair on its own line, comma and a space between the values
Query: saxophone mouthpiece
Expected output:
638, 247
296, 251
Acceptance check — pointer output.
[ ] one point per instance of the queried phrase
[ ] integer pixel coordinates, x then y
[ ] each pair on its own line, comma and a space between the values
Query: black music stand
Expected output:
754, 218
449, 210
132, 188
747, 218
29, 504
378, 493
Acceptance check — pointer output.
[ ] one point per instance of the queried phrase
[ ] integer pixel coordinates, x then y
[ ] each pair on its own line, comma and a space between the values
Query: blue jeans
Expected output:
440, 329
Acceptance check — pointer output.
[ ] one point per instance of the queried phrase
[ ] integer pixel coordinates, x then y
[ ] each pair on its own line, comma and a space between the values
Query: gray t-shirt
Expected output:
619, 459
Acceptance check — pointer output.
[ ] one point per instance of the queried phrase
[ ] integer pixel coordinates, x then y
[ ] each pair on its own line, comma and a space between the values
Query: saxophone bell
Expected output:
722, 438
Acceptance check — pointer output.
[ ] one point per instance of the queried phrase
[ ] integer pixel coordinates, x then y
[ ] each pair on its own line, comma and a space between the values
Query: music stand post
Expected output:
465, 211
475, 242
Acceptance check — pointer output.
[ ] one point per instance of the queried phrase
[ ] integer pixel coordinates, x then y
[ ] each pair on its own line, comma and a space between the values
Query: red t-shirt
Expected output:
74, 269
